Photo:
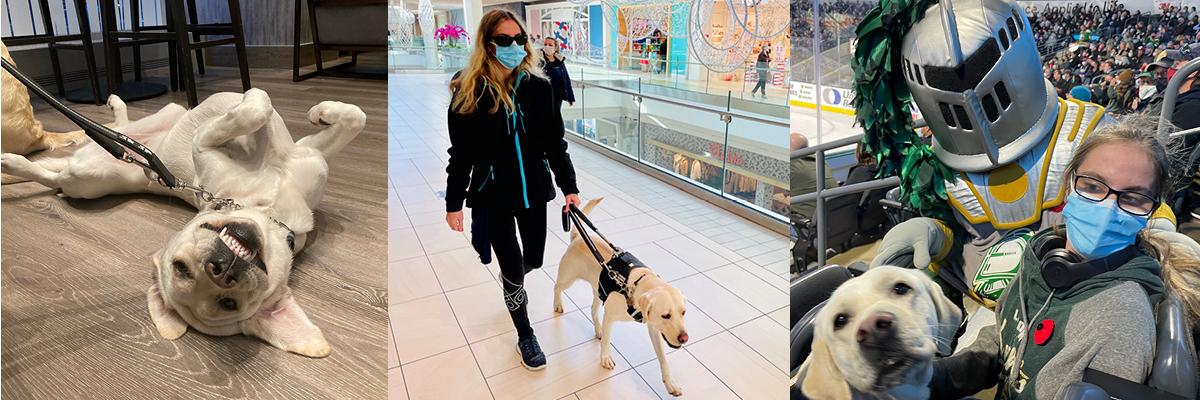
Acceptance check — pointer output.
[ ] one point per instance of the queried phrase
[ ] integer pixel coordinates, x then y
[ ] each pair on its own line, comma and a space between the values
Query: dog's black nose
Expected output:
877, 328
221, 273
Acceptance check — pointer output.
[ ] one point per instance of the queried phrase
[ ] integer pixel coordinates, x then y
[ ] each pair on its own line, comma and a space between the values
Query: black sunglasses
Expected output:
505, 40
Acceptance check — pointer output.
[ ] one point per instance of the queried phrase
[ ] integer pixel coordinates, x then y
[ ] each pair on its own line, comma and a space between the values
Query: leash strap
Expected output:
580, 219
120, 146
117, 144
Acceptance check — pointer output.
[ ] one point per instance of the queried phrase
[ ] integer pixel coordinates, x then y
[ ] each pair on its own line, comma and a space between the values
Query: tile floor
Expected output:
451, 337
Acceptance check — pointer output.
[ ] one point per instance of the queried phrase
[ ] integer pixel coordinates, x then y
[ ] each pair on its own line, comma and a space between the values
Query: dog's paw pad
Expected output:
607, 362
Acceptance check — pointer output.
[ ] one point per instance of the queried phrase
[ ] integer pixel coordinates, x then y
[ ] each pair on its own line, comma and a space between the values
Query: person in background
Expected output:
1081, 93
555, 66
804, 176
662, 52
761, 67
503, 129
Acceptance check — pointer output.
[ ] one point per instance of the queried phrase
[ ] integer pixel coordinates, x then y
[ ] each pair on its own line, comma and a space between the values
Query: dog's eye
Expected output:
840, 320
682, 313
666, 316
227, 304
181, 269
901, 288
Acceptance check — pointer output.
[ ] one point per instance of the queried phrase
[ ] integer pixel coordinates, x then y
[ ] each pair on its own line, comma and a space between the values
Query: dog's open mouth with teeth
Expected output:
239, 249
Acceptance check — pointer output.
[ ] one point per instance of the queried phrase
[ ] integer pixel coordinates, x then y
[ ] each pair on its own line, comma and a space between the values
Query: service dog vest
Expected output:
614, 278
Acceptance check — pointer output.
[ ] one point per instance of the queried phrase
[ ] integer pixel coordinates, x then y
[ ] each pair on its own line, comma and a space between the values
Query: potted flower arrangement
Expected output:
451, 36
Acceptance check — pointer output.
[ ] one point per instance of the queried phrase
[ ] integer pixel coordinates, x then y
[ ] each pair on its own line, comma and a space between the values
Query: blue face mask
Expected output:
511, 55
1098, 229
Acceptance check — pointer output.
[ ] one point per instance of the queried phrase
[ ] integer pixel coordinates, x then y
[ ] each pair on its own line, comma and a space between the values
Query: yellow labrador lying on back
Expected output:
877, 336
651, 300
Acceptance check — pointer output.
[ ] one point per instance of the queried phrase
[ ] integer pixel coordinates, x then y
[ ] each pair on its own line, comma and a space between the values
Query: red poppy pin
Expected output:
1041, 335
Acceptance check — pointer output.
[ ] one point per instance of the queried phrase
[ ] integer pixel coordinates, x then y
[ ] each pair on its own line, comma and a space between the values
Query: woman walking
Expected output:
555, 66
505, 139
761, 67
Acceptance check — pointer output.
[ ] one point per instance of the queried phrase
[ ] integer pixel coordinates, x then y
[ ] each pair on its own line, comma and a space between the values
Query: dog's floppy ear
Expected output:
284, 325
645, 302
824, 380
949, 317
169, 324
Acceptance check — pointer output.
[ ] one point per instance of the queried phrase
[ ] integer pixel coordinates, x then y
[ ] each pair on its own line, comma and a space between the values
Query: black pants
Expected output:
517, 259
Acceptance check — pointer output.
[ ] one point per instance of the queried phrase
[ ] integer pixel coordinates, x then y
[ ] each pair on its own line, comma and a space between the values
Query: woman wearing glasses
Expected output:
1085, 294
505, 139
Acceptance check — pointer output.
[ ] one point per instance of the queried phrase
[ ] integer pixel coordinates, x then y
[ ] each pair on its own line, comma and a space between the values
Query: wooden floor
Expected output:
75, 274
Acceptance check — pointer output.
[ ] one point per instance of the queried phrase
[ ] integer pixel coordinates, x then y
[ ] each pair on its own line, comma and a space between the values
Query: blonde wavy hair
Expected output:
1180, 259
485, 74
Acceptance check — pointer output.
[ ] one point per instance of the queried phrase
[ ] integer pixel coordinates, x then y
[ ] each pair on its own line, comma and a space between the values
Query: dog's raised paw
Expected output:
326, 113
607, 362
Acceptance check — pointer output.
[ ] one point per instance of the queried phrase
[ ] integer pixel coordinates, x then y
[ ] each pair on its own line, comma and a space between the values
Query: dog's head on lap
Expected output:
878, 333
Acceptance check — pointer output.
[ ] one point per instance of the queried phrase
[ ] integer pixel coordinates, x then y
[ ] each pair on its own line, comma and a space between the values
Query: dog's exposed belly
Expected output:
235, 146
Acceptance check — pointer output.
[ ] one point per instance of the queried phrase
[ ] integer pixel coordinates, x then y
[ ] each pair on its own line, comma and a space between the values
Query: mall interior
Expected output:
693, 168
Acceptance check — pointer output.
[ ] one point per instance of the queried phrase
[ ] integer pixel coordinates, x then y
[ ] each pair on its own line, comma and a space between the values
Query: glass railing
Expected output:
732, 148
691, 76
417, 57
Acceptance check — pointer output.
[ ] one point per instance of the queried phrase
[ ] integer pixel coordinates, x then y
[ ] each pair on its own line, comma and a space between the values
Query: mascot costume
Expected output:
1001, 136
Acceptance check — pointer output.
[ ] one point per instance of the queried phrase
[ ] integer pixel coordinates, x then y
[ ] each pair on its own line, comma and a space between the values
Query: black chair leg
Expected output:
179, 27
296, 42
89, 52
137, 50
58, 76
191, 5
235, 18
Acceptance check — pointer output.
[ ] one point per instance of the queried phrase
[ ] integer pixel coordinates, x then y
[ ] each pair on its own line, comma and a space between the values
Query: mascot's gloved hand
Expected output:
926, 238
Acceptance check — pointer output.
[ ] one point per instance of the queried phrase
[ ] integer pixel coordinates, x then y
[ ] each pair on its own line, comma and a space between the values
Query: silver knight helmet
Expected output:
974, 72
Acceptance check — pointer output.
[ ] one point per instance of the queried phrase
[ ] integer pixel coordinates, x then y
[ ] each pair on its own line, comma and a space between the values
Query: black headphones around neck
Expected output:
1062, 268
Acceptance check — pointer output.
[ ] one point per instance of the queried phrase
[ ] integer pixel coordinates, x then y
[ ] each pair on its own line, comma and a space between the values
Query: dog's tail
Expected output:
587, 210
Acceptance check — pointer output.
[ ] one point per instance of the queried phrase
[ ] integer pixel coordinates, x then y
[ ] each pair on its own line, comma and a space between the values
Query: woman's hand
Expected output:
455, 220
571, 199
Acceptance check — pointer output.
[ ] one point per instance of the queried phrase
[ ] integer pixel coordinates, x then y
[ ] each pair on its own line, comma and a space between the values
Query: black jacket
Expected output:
504, 159
556, 70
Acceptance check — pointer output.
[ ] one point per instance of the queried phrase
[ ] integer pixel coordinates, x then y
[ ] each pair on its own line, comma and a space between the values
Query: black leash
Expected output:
128, 150
120, 146
579, 219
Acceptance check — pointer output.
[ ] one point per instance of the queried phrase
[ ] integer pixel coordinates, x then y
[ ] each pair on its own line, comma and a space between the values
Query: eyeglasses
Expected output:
505, 40
1131, 202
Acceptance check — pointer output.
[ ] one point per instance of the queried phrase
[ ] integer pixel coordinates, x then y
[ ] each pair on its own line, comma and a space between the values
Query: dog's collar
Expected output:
231, 205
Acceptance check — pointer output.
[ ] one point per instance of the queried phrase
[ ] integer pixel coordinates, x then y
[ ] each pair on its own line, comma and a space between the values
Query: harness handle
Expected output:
580, 219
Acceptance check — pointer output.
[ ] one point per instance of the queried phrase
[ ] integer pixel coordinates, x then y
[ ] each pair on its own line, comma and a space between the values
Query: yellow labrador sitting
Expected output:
877, 336
659, 305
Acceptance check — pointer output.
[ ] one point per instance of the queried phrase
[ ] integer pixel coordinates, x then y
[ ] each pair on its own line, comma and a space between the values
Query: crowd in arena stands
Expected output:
1110, 55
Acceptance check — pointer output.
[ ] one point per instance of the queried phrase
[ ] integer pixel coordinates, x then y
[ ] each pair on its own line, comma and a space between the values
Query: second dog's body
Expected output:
660, 306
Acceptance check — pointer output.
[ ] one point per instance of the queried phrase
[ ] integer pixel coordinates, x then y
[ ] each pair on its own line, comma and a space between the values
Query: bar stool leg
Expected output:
239, 36
44, 5
191, 5
112, 54
179, 25
134, 6
89, 52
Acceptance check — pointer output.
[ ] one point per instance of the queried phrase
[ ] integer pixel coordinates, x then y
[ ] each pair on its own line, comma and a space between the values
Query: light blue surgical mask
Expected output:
511, 55
1098, 229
